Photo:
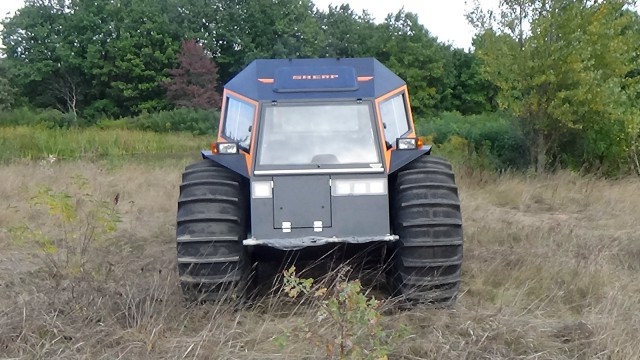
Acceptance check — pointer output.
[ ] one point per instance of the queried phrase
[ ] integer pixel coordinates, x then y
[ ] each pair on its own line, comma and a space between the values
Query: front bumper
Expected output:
303, 242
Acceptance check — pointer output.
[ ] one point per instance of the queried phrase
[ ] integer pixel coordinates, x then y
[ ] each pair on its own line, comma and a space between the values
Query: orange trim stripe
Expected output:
266, 81
365, 78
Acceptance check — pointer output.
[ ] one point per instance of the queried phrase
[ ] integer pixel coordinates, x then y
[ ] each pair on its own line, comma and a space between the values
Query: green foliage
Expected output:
46, 118
39, 143
295, 286
407, 48
569, 70
7, 91
567, 77
491, 141
98, 59
141, 56
350, 318
347, 33
470, 92
77, 223
467, 157
240, 31
285, 30
194, 121
68, 54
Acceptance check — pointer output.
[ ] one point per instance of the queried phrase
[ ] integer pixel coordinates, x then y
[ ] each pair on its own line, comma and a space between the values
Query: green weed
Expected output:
347, 322
76, 223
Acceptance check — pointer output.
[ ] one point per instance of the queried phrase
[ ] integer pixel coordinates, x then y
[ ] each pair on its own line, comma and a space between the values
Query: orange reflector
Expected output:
214, 147
420, 142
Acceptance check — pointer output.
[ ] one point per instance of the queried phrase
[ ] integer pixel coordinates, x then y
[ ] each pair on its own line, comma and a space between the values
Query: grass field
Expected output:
551, 272
92, 143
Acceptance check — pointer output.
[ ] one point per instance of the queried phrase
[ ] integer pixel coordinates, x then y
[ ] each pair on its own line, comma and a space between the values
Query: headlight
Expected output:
227, 148
261, 189
406, 143
358, 187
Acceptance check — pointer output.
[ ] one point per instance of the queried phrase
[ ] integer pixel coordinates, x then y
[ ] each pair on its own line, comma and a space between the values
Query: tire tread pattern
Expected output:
427, 259
211, 224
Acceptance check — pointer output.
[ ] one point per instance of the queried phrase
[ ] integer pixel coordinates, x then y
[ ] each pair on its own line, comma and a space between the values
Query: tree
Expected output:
218, 27
471, 92
33, 38
281, 29
7, 92
408, 49
193, 83
66, 88
562, 66
93, 56
144, 46
237, 32
346, 33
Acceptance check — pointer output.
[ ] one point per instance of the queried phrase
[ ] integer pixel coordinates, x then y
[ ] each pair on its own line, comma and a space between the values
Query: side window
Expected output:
394, 116
238, 121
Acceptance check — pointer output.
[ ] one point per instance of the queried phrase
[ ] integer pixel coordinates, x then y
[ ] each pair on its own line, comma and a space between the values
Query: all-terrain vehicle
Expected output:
313, 152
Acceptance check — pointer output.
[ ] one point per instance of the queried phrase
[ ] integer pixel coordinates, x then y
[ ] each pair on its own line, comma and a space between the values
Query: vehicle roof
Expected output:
310, 79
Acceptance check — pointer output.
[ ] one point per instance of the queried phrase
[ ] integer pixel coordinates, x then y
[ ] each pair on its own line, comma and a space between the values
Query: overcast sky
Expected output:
443, 18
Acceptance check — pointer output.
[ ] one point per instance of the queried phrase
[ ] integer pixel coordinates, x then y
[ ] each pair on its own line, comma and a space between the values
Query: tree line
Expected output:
112, 57
565, 74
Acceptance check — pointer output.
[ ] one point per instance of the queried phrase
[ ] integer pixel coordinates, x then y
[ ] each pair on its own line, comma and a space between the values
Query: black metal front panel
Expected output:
301, 200
362, 215
366, 215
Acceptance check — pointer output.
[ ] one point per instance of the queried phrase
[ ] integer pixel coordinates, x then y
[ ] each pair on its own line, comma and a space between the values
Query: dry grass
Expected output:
550, 272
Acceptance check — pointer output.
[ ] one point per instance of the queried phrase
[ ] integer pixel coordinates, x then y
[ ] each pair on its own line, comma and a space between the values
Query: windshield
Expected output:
318, 135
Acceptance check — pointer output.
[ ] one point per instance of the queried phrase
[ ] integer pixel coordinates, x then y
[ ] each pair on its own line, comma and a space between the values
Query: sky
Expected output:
443, 18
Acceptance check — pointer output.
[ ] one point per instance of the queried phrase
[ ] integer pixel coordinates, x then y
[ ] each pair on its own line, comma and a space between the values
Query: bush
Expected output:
195, 121
347, 322
491, 140
48, 118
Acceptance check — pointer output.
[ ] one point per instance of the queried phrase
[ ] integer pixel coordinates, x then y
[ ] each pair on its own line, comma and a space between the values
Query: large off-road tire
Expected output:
211, 224
427, 260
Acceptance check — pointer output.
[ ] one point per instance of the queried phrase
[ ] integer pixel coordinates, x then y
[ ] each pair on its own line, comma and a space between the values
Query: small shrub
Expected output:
347, 323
